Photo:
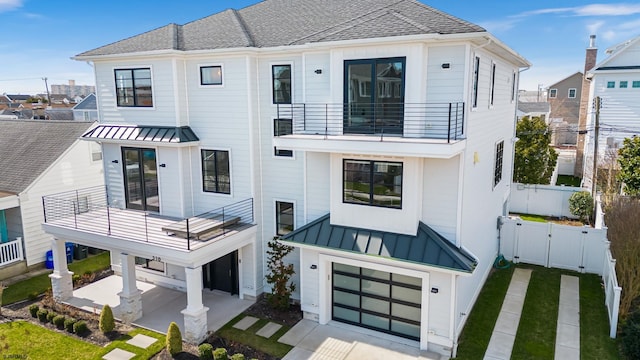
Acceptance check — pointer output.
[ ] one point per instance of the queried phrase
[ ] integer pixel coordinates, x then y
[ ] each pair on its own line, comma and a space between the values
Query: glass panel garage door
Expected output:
377, 300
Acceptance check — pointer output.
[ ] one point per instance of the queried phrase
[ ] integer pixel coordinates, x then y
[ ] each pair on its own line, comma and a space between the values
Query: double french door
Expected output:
141, 179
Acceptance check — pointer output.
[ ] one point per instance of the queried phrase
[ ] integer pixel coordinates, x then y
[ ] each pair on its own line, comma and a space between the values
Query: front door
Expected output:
141, 179
222, 274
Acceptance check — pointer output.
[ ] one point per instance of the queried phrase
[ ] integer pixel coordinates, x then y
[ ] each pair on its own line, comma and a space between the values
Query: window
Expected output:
96, 151
281, 80
211, 75
513, 87
215, 171
553, 93
611, 84
623, 84
284, 217
133, 87
282, 127
635, 84
476, 71
376, 183
572, 93
497, 171
493, 83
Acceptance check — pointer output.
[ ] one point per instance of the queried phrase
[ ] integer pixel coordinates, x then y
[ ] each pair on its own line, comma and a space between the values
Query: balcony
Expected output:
87, 216
428, 129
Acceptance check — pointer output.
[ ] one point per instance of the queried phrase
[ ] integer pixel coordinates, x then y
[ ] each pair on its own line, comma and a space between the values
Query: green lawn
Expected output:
39, 284
248, 337
568, 180
141, 354
535, 218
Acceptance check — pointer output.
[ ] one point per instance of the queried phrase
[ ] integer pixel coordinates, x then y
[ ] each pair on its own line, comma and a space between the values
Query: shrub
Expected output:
33, 310
206, 351
76, 278
279, 274
80, 328
174, 339
33, 295
50, 316
220, 354
631, 336
107, 322
58, 321
581, 205
68, 324
42, 315
237, 357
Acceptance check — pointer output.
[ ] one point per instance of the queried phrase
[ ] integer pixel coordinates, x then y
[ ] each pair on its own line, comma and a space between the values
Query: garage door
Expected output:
377, 300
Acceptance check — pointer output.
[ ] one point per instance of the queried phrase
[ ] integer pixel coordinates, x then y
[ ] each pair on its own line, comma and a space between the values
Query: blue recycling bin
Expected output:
48, 261
69, 249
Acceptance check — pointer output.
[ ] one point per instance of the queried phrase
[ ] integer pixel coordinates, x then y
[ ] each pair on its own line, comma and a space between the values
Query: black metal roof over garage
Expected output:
161, 134
427, 247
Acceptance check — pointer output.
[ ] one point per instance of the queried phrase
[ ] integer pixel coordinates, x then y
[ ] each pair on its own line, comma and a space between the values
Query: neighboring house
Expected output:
376, 137
616, 80
86, 109
564, 98
37, 158
60, 114
59, 99
18, 99
533, 109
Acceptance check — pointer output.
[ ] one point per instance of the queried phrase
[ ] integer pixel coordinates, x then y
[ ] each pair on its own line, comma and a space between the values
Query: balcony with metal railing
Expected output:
88, 217
330, 127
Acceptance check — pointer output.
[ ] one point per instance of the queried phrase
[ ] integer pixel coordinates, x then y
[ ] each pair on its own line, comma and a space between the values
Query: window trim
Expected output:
275, 214
475, 79
492, 85
553, 93
230, 193
497, 159
201, 66
372, 162
575, 93
291, 90
115, 87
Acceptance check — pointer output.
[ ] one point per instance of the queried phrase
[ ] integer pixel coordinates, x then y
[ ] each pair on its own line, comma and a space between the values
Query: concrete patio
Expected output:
160, 305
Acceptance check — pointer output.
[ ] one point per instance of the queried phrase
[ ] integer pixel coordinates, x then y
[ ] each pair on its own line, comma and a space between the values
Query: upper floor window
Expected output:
211, 75
281, 84
215, 171
635, 84
493, 83
513, 86
282, 127
133, 87
284, 217
553, 93
572, 93
497, 169
623, 84
476, 73
376, 183
611, 84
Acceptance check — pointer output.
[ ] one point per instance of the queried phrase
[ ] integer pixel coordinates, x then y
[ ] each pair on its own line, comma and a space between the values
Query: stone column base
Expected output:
62, 285
130, 306
195, 325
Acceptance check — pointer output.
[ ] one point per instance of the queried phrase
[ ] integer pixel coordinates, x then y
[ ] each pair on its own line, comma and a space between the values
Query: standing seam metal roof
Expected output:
162, 134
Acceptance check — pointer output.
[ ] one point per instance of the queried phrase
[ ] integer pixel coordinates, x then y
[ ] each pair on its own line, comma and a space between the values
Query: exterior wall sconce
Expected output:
446, 65
163, 165
313, 267
114, 161
318, 71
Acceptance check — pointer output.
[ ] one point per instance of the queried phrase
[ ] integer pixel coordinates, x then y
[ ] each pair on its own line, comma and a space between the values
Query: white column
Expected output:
195, 315
61, 278
130, 296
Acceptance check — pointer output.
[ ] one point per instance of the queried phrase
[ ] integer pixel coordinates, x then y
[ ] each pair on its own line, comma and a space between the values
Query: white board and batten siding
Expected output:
74, 169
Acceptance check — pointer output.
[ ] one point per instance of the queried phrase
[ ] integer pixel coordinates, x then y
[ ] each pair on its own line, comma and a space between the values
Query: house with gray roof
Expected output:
37, 158
86, 109
375, 137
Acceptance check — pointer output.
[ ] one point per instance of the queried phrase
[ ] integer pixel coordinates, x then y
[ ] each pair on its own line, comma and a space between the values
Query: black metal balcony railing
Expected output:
428, 121
90, 210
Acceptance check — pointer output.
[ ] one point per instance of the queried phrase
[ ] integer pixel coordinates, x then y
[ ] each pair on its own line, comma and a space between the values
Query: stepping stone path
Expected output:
118, 354
268, 330
140, 340
568, 328
245, 323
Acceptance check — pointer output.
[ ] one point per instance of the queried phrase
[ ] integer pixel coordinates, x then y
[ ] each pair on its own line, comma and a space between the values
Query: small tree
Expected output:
581, 205
174, 339
279, 274
534, 158
629, 161
107, 323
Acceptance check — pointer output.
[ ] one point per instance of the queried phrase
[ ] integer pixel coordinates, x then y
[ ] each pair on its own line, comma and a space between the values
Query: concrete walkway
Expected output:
568, 329
504, 333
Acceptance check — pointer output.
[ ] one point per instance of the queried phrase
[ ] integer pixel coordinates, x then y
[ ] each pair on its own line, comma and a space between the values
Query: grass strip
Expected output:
248, 337
595, 342
477, 332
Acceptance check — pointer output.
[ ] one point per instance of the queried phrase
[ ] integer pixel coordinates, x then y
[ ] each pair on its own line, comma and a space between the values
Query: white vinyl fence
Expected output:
11, 252
545, 200
612, 292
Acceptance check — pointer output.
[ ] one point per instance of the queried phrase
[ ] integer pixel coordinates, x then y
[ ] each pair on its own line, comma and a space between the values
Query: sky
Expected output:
39, 37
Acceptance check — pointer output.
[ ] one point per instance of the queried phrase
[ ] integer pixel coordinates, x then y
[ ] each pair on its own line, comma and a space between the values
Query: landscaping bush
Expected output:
631, 336
58, 321
237, 357
80, 328
76, 278
50, 316
220, 354
32, 296
42, 315
581, 205
174, 339
33, 310
68, 324
206, 351
107, 322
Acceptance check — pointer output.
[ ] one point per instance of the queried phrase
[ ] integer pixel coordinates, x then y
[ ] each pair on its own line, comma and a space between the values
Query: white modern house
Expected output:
376, 137
38, 158
616, 80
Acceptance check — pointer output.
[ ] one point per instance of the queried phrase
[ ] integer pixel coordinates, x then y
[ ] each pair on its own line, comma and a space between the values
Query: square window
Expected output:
611, 84
281, 84
497, 170
284, 217
375, 183
635, 84
133, 87
211, 75
282, 127
215, 171
572, 93
553, 93
623, 84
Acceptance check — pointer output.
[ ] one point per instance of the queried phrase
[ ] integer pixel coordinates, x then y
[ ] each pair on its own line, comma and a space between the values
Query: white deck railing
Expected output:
11, 252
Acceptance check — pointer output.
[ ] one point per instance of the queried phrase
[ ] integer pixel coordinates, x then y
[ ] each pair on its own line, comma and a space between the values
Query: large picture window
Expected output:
376, 183
133, 87
281, 80
215, 171
284, 217
497, 170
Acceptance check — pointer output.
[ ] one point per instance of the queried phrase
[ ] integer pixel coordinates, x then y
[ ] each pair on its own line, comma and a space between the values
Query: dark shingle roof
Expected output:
27, 148
88, 103
534, 107
427, 247
163, 134
284, 22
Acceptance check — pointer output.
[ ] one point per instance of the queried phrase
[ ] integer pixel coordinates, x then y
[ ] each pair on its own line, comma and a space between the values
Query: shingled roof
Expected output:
284, 22
29, 147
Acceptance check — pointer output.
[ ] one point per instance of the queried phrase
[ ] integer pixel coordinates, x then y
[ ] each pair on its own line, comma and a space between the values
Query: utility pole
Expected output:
598, 103
46, 85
